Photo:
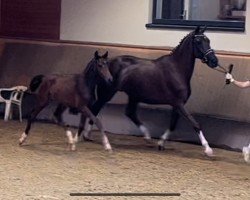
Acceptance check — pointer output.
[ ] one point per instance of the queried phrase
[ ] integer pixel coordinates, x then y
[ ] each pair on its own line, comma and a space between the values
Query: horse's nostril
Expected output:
110, 81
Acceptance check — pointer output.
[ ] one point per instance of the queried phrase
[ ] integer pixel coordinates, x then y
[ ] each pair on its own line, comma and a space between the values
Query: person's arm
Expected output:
241, 84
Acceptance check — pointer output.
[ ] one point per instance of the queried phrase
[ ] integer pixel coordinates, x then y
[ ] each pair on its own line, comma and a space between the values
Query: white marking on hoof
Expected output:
145, 131
209, 151
246, 153
87, 129
106, 143
71, 141
161, 144
70, 136
22, 138
73, 147
76, 138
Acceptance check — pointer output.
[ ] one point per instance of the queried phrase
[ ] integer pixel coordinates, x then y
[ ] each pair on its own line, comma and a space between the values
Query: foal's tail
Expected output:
35, 83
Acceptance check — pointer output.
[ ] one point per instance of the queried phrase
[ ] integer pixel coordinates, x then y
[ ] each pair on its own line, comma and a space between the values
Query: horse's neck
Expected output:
185, 59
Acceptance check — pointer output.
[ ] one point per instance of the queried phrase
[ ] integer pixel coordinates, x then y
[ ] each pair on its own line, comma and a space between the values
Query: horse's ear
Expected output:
203, 30
197, 30
105, 55
97, 55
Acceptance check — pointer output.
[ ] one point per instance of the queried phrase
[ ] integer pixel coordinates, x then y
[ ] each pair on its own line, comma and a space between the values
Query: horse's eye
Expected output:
198, 40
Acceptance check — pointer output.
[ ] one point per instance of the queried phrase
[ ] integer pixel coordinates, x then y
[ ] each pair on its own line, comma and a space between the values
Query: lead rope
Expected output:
222, 69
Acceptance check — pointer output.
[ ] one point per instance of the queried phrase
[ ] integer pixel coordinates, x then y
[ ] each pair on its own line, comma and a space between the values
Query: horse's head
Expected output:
202, 49
102, 67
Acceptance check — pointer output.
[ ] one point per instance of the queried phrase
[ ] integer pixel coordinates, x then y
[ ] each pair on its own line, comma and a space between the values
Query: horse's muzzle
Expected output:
211, 61
109, 81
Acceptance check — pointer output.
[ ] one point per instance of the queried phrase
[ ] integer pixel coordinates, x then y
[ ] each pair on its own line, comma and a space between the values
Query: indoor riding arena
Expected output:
203, 156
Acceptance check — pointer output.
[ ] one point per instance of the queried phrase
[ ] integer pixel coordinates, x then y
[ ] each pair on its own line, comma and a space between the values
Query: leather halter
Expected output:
205, 54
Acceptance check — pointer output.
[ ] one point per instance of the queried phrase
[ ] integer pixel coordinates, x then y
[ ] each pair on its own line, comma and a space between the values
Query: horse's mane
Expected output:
183, 39
89, 67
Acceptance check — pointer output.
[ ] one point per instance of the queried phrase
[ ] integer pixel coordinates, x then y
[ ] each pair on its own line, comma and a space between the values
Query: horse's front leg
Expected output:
87, 113
208, 150
104, 94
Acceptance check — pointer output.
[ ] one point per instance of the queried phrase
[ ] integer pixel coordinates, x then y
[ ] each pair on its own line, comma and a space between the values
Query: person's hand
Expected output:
229, 77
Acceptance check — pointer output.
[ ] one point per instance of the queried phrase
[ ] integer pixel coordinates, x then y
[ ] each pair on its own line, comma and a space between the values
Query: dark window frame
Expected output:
218, 25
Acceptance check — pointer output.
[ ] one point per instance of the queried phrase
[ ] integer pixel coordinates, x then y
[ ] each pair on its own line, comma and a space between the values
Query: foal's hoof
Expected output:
161, 148
161, 145
72, 147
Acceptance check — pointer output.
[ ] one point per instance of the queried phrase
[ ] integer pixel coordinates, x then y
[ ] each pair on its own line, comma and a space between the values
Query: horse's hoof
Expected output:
148, 140
109, 150
22, 139
107, 147
209, 152
73, 148
161, 145
86, 139
246, 154
161, 148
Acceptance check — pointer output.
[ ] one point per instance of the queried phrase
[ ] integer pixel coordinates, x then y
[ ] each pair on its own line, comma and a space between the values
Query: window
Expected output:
228, 15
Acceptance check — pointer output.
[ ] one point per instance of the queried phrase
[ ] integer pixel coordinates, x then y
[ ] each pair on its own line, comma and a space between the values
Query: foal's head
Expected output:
202, 49
101, 64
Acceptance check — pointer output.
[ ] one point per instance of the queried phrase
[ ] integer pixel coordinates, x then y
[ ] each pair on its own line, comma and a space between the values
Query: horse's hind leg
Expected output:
208, 151
131, 109
31, 119
85, 111
173, 122
58, 113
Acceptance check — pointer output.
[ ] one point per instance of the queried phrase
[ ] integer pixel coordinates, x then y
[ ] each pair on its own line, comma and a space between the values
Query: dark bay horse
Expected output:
72, 91
165, 80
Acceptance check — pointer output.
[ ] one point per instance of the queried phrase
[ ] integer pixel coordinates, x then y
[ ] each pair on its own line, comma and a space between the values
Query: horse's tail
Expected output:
35, 83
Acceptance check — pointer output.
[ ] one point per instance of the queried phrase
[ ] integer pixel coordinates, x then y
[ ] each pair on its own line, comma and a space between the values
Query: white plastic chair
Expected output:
16, 96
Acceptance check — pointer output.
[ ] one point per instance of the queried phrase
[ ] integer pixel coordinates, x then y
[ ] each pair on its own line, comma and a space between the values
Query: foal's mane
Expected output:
89, 68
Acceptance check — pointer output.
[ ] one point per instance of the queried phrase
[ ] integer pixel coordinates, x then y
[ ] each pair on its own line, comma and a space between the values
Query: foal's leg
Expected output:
173, 122
71, 140
131, 109
31, 119
85, 111
58, 113
208, 151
